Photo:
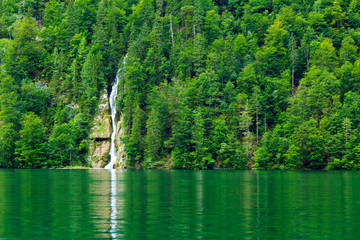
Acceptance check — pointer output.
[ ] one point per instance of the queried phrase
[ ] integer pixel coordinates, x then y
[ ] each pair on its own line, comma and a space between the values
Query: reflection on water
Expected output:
123, 204
113, 205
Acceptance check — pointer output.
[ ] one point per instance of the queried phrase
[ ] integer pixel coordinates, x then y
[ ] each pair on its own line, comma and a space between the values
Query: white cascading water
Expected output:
112, 100
113, 205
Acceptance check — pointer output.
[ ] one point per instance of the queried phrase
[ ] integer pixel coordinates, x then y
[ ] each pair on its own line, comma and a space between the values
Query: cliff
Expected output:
100, 134
121, 155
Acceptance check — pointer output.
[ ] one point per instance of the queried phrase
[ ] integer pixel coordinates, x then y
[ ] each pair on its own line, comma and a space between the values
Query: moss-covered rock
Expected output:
100, 134
120, 146
101, 125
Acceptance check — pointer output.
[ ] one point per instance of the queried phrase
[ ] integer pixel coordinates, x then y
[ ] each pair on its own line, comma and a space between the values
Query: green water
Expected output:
79, 204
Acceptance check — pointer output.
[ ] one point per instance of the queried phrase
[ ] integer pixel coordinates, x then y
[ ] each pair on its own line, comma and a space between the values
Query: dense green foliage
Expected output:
229, 84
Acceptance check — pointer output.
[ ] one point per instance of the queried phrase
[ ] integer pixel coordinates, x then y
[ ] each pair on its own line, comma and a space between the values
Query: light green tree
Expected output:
30, 148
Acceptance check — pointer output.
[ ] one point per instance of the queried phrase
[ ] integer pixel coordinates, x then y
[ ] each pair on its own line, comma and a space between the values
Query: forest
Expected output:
229, 84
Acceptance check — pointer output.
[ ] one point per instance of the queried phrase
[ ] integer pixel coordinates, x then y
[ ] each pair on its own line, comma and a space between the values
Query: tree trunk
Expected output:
172, 33
257, 127
293, 76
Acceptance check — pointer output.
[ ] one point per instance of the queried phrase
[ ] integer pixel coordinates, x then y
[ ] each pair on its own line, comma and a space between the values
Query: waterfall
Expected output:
112, 101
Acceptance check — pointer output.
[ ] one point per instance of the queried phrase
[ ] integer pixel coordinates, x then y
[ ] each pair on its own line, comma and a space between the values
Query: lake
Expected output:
159, 204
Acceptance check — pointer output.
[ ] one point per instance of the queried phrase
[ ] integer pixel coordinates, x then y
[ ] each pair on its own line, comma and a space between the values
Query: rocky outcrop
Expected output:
101, 128
98, 153
100, 134
121, 155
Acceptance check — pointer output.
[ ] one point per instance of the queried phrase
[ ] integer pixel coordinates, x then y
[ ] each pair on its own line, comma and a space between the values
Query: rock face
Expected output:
101, 128
99, 151
121, 154
100, 133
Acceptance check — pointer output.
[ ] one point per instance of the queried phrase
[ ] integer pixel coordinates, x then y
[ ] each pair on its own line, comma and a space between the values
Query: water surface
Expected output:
154, 204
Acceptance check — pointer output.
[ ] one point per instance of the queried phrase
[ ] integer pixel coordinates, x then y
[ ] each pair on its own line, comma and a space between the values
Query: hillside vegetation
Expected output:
209, 84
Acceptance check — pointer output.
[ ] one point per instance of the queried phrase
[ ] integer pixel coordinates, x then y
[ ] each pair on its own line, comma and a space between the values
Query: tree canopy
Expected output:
208, 84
